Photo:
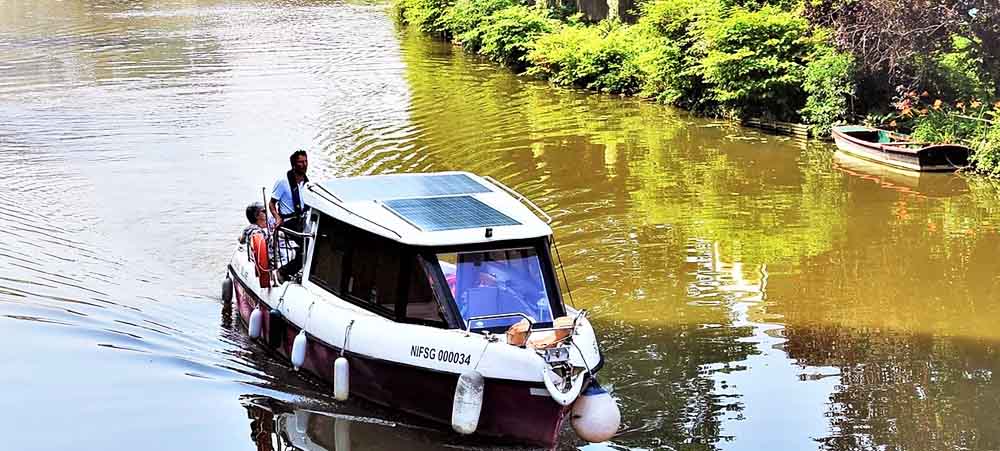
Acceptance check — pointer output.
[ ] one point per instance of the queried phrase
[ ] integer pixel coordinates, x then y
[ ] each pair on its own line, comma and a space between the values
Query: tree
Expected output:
892, 37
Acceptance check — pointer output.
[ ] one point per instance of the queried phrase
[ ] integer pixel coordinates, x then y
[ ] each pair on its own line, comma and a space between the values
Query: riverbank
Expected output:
776, 60
734, 276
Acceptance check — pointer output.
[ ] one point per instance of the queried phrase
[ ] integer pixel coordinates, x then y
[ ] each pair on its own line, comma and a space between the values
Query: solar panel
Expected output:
403, 185
433, 214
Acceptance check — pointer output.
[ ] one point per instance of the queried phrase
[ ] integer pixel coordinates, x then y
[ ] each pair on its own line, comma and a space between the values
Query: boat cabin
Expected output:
449, 250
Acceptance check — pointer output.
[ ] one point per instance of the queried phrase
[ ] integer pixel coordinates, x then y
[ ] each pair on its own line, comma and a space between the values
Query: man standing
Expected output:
286, 202
287, 208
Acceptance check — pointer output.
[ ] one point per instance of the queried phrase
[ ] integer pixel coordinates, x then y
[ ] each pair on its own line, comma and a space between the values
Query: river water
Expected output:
751, 291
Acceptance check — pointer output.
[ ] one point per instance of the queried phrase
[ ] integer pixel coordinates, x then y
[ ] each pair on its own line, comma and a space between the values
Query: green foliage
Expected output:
758, 4
465, 18
509, 34
671, 60
980, 129
829, 84
676, 20
756, 62
986, 149
427, 15
601, 58
944, 126
957, 73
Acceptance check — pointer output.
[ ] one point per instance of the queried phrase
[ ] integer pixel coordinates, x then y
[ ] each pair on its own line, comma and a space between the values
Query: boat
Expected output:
433, 294
899, 150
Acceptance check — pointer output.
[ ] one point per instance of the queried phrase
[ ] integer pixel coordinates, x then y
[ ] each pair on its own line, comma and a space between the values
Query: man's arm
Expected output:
274, 211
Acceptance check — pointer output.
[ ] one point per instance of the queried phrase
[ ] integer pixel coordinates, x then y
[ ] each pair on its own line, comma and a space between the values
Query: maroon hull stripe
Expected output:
510, 411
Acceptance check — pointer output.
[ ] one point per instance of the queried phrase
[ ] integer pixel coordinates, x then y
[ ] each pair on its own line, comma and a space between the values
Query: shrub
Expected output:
673, 31
465, 18
425, 14
601, 57
830, 86
677, 20
509, 34
756, 62
943, 126
757, 4
986, 149
939, 123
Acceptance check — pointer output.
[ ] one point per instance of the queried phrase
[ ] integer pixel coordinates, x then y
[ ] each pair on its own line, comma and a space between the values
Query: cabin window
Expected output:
329, 254
372, 276
507, 282
422, 306
375, 273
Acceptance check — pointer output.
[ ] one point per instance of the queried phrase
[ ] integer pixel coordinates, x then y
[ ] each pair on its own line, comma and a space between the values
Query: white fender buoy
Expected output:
341, 434
299, 349
276, 328
227, 289
256, 321
341, 379
564, 398
468, 402
595, 416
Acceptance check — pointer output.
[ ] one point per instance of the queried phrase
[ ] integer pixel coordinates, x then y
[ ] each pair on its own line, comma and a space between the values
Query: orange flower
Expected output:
909, 112
976, 104
925, 94
892, 124
997, 105
960, 105
937, 104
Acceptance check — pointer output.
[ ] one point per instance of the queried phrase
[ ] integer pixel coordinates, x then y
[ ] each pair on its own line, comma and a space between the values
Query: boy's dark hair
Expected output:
295, 155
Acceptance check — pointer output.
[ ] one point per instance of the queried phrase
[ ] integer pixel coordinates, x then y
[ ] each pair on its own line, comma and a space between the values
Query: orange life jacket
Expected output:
259, 250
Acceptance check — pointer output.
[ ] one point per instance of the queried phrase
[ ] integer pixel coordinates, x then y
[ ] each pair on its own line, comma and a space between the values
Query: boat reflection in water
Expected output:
926, 184
278, 426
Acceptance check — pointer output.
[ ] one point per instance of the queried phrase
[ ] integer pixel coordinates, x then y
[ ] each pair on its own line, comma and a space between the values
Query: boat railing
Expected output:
340, 204
285, 249
521, 198
294, 233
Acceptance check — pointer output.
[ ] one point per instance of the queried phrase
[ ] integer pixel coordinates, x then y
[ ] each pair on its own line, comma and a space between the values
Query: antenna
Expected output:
274, 239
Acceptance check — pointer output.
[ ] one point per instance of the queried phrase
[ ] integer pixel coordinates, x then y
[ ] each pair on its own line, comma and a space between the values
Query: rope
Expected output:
960, 168
482, 354
282, 298
586, 365
309, 315
347, 337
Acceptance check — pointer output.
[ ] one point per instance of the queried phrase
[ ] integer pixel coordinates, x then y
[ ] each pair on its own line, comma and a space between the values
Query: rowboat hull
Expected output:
514, 411
858, 142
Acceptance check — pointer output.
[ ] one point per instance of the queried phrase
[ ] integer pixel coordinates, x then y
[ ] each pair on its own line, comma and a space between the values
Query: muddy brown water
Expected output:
751, 291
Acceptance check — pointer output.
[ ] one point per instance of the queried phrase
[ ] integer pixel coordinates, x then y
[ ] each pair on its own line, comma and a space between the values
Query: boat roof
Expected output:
429, 209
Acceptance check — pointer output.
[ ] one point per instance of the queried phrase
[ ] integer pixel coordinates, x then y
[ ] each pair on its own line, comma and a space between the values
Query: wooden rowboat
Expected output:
899, 150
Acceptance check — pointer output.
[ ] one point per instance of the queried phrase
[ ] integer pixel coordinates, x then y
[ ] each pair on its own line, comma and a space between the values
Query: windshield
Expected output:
501, 282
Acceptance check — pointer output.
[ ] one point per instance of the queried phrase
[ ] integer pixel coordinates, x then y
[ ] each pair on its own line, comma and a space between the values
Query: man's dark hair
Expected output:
295, 155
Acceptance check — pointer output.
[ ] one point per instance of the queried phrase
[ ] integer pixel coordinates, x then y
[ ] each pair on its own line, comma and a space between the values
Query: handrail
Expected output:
518, 196
468, 324
348, 210
338, 199
294, 233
